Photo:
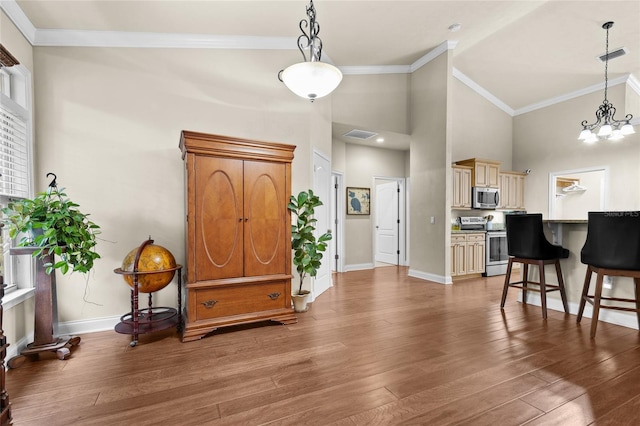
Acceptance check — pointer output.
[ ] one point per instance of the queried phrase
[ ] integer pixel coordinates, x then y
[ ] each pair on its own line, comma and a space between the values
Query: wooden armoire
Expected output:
238, 232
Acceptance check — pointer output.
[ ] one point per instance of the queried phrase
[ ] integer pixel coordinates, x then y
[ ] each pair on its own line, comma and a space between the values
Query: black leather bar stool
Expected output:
612, 248
527, 244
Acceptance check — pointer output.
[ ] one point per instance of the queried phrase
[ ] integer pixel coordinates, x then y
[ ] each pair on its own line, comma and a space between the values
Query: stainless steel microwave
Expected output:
484, 198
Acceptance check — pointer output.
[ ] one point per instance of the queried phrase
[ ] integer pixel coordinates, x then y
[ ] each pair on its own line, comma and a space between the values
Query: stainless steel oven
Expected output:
497, 256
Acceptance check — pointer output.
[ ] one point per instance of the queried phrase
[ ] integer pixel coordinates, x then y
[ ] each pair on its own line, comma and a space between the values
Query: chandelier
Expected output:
609, 127
310, 79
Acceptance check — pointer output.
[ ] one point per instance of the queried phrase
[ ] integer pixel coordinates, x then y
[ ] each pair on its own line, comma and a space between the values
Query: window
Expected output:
15, 158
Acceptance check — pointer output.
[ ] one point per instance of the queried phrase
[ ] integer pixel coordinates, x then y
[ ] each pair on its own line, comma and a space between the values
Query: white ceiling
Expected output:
522, 52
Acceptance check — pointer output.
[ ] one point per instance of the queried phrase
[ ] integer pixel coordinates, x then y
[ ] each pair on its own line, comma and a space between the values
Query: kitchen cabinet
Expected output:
458, 255
512, 191
467, 254
475, 253
238, 234
484, 173
461, 198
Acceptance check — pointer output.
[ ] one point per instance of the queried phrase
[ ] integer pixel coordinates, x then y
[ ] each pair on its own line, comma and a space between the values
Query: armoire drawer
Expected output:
239, 299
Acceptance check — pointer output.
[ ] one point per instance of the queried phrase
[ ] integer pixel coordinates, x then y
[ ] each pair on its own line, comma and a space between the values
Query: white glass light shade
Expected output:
627, 129
591, 139
311, 80
605, 130
584, 135
616, 135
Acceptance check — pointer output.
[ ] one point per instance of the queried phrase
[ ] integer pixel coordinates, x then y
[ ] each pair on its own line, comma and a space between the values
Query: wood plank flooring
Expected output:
378, 348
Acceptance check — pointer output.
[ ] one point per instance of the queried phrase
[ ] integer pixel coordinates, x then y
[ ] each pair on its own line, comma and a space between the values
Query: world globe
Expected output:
156, 267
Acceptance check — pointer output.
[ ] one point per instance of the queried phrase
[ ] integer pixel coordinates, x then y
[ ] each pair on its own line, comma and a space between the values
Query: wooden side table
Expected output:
45, 313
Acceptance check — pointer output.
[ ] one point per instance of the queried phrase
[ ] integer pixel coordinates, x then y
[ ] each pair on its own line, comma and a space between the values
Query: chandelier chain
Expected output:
606, 64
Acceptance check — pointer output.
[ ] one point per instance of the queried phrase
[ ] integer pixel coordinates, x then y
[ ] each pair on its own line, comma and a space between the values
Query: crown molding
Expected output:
434, 53
81, 38
634, 84
376, 69
482, 91
571, 95
20, 20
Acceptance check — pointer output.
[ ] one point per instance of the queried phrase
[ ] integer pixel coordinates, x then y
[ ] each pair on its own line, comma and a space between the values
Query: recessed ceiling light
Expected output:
380, 140
454, 27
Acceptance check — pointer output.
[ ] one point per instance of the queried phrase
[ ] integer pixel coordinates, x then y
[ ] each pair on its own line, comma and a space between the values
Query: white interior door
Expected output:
322, 188
387, 216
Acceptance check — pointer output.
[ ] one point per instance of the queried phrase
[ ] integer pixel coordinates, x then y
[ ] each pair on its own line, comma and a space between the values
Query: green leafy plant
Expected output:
307, 250
53, 223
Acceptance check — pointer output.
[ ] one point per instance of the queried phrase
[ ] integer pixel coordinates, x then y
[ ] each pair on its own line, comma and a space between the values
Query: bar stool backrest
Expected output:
613, 240
526, 239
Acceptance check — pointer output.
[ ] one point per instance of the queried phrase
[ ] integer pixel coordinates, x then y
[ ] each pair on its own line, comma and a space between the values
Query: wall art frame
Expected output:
358, 201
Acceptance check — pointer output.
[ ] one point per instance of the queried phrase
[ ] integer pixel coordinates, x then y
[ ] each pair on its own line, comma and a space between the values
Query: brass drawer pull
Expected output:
209, 303
274, 295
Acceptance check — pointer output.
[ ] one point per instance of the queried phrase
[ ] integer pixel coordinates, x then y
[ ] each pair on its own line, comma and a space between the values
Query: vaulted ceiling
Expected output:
522, 52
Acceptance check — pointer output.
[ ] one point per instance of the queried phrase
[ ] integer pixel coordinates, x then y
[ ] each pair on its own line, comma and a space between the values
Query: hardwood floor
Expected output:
377, 348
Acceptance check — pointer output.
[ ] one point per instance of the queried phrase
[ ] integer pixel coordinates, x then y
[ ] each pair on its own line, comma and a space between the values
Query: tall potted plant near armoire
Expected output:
307, 249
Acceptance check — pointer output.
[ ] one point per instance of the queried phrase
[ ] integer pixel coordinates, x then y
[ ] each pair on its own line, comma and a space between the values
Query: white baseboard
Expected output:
606, 315
87, 326
358, 267
440, 279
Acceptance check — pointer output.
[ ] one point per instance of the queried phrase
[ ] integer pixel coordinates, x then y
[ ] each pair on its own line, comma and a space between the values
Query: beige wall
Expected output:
480, 129
110, 122
13, 40
430, 171
362, 165
375, 102
545, 141
338, 156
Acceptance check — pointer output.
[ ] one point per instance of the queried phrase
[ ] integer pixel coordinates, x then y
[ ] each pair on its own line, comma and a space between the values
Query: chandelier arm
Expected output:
304, 41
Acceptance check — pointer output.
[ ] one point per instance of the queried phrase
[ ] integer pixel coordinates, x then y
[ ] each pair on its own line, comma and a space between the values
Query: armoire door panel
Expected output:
220, 219
264, 204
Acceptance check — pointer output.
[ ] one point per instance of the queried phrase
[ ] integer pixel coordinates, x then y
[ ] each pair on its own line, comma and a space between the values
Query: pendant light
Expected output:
311, 79
607, 126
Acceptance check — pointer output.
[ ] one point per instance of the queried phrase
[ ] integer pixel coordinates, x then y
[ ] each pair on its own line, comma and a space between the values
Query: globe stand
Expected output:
150, 319
153, 318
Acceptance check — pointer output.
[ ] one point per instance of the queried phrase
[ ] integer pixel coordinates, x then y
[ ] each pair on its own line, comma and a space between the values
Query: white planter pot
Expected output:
300, 302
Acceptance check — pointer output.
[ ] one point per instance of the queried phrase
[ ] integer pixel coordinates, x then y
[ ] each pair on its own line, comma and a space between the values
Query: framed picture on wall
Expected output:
358, 200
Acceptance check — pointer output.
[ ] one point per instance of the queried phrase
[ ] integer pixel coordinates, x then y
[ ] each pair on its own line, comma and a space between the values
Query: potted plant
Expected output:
307, 250
52, 223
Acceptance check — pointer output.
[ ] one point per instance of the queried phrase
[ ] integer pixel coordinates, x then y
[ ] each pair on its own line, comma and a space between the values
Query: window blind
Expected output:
14, 162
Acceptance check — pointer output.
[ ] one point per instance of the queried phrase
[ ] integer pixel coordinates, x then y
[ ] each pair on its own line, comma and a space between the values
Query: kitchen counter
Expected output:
468, 231
555, 226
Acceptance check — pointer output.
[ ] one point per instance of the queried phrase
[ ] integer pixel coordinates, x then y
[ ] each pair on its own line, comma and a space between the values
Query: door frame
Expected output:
323, 156
403, 259
338, 209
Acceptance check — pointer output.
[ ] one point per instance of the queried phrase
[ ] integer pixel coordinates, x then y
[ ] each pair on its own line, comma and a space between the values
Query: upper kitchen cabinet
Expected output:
484, 173
461, 187
511, 191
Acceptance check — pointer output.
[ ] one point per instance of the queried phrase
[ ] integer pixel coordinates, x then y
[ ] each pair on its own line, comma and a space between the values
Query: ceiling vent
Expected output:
613, 54
360, 134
